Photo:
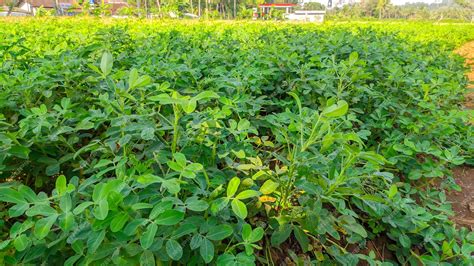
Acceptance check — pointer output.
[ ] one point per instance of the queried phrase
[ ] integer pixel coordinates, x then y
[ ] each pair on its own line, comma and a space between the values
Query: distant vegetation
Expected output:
459, 10
382, 9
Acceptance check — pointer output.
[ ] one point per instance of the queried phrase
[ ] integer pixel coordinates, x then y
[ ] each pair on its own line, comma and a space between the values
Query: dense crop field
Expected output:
151, 143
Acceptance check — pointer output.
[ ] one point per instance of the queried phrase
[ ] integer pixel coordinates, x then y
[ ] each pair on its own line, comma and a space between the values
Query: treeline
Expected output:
383, 9
461, 10
237, 9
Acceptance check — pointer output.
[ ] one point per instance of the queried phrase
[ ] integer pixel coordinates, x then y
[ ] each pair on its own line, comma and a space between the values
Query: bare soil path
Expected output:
463, 202
467, 51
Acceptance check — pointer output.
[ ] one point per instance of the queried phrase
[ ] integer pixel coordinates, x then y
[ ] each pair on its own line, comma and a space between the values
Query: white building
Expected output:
307, 15
331, 3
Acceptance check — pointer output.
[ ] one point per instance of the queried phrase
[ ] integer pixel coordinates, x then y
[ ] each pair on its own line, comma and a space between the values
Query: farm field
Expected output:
133, 142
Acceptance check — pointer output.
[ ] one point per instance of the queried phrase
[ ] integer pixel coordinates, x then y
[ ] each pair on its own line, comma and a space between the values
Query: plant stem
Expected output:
175, 129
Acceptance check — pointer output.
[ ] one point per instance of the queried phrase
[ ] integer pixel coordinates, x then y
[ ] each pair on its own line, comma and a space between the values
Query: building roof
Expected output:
38, 3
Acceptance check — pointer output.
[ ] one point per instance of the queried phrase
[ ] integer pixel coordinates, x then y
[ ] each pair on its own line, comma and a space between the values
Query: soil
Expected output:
467, 51
463, 202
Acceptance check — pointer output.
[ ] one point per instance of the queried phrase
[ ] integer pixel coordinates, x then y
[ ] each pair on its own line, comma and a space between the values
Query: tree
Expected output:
381, 6
465, 3
312, 6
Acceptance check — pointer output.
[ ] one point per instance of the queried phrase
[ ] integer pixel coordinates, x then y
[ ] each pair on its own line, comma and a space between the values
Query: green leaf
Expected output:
169, 217
357, 228
132, 77
21, 242
247, 194
83, 125
101, 210
61, 185
148, 179
180, 159
52, 169
189, 106
66, 221
239, 208
174, 249
281, 235
353, 57
302, 238
256, 235
405, 240
336, 110
71, 260
103, 163
44, 210
165, 99
19, 152
241, 259
246, 231
146, 240
147, 259
467, 250
219, 232
136, 81
98, 193
297, 99
12, 196
195, 204
118, 222
240, 154
172, 185
194, 167
94, 240
206, 250
191, 169
196, 241
27, 193
205, 95
233, 186
18, 210
106, 63
372, 157
65, 203
81, 207
268, 187
141, 206
392, 191
175, 166
219, 204
5, 244
160, 208
243, 125
184, 229
43, 226
148, 133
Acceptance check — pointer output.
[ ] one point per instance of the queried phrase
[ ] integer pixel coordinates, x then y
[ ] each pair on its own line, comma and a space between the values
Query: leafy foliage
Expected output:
197, 143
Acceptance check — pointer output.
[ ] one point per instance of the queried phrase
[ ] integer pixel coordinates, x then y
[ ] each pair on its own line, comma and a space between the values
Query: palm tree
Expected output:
381, 6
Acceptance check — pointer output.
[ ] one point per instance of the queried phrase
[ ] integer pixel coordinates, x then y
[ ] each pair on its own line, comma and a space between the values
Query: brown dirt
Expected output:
467, 51
463, 202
